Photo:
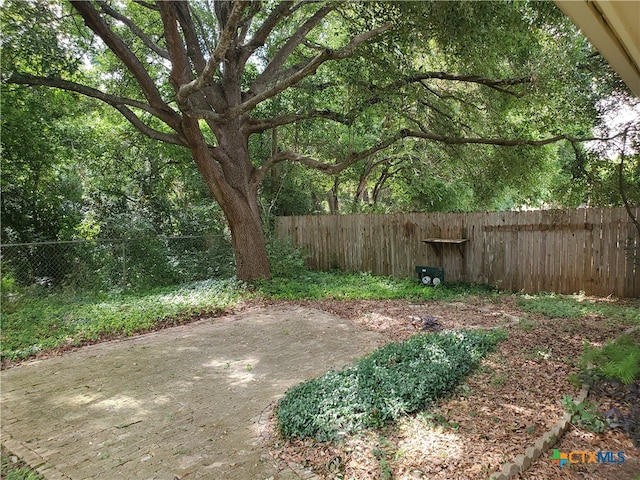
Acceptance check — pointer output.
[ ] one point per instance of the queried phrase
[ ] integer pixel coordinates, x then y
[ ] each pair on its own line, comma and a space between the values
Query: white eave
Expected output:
613, 27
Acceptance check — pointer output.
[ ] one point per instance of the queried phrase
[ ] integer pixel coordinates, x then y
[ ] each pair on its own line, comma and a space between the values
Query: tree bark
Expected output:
231, 179
332, 197
240, 205
249, 243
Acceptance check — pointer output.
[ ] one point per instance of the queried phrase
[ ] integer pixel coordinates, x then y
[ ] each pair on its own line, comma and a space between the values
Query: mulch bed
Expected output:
512, 399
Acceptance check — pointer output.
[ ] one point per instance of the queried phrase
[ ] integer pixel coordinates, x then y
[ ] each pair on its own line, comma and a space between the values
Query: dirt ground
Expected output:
197, 401
513, 398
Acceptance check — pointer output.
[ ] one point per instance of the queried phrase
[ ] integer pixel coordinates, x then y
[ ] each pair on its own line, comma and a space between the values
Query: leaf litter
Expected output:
512, 399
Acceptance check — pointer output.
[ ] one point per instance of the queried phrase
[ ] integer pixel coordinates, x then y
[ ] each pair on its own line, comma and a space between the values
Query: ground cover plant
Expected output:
38, 324
11, 468
312, 285
394, 380
35, 324
577, 306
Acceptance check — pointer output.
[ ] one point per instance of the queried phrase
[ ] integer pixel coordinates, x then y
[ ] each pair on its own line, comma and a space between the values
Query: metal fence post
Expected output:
124, 263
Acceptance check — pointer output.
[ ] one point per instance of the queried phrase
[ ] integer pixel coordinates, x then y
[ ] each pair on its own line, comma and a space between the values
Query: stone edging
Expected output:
541, 445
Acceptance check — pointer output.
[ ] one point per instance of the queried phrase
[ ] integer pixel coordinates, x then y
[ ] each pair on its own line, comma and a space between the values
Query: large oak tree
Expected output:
208, 75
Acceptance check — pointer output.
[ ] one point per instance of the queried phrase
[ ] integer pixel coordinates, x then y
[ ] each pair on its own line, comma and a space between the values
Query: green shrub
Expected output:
396, 379
617, 360
285, 260
584, 414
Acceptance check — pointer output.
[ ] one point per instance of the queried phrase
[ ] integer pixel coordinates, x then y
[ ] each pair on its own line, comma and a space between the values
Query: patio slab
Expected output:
186, 402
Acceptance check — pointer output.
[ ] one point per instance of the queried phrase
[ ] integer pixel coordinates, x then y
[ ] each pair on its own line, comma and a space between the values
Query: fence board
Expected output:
539, 250
589, 239
511, 269
574, 257
605, 250
614, 249
582, 239
476, 273
597, 258
632, 251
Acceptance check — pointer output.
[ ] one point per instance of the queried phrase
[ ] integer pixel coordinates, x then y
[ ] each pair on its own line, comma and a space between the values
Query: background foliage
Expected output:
73, 168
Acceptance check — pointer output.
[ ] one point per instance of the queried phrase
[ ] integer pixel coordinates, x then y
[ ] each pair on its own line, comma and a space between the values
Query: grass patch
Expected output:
576, 306
37, 324
396, 379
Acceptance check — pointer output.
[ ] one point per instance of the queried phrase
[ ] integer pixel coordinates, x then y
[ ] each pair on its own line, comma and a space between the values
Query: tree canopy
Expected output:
448, 105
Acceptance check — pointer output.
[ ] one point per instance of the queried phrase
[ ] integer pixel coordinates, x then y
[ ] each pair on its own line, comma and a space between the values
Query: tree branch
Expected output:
307, 70
449, 96
260, 125
180, 71
148, 5
95, 22
381, 93
455, 122
190, 36
212, 65
247, 20
260, 83
284, 9
444, 114
145, 129
328, 168
119, 103
518, 142
497, 84
134, 28
623, 194
113, 100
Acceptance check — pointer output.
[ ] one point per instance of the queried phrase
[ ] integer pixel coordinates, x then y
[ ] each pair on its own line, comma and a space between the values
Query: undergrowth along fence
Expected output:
147, 261
594, 250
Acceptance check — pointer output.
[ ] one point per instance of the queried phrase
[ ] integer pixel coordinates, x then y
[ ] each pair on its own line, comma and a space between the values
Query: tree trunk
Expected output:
247, 235
229, 175
332, 197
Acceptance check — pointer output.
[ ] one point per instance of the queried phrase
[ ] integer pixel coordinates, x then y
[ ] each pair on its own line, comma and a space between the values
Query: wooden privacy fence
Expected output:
594, 250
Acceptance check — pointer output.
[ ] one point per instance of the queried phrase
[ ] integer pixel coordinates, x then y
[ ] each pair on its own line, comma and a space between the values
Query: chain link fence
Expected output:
120, 263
